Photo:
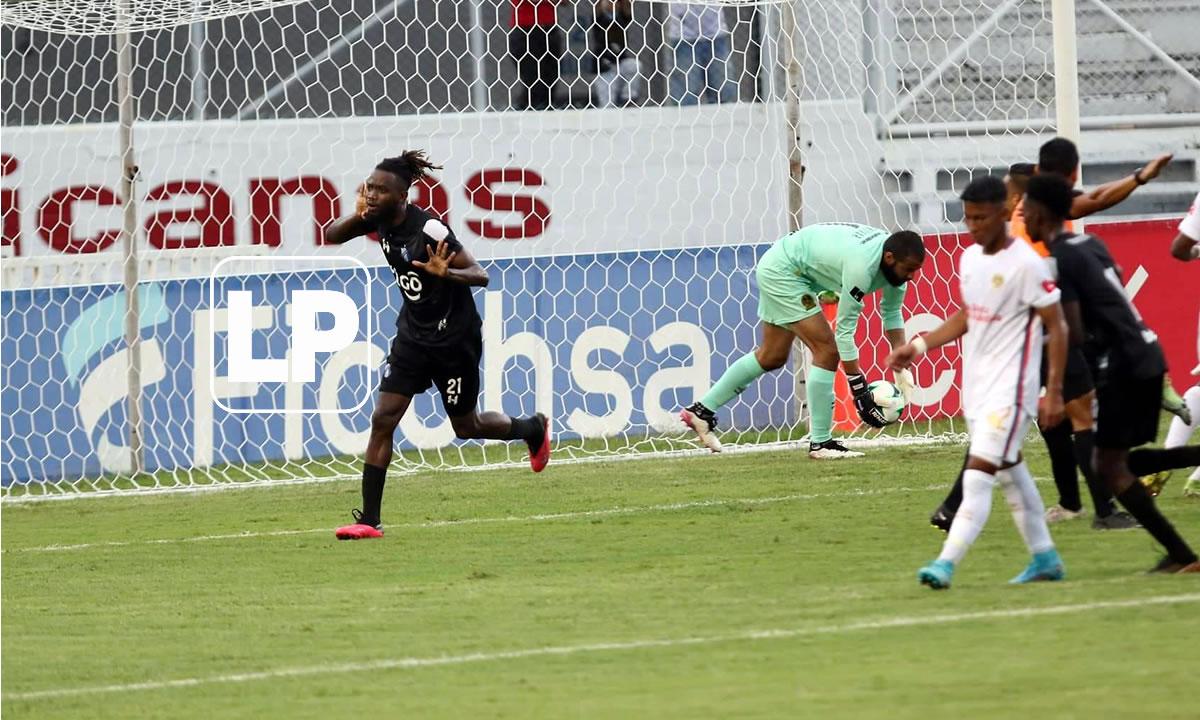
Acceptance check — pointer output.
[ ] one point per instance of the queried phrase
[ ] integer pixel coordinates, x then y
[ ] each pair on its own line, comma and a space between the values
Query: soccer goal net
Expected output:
618, 167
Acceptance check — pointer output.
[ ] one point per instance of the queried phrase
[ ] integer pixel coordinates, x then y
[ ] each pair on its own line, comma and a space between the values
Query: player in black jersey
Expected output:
438, 339
1126, 360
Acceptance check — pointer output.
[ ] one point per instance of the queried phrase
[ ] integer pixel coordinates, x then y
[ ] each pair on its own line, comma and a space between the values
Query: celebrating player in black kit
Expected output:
1126, 359
438, 338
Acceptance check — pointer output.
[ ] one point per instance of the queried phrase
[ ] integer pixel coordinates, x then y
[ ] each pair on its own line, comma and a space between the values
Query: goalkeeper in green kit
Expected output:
851, 261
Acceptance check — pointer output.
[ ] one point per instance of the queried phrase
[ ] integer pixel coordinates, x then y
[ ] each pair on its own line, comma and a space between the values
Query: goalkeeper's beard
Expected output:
889, 274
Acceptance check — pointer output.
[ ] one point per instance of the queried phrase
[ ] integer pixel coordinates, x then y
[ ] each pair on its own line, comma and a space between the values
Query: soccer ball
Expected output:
889, 399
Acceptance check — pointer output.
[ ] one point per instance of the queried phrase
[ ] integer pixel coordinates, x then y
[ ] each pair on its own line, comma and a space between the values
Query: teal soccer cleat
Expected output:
1044, 566
936, 574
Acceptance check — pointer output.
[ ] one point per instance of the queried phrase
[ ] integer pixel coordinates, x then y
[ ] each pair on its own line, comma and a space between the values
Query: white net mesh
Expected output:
617, 177
105, 17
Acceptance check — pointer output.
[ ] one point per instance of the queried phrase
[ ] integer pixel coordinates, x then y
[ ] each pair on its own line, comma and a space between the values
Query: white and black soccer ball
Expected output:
889, 399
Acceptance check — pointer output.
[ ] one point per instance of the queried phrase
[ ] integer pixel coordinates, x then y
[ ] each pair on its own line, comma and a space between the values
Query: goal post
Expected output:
620, 223
127, 116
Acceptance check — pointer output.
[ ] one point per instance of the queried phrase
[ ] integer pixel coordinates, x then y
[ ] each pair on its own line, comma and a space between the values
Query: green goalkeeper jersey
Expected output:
844, 258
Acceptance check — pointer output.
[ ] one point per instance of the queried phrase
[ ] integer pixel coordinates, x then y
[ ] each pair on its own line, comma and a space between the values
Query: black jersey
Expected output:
437, 312
1118, 343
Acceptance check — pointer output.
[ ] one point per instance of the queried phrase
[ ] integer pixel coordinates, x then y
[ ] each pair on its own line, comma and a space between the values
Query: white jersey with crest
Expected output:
1002, 350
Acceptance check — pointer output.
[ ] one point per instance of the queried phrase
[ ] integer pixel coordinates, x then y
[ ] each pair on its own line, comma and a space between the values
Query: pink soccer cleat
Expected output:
538, 460
359, 530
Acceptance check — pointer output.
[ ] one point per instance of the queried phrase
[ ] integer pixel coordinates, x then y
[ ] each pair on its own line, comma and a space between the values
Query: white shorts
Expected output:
997, 436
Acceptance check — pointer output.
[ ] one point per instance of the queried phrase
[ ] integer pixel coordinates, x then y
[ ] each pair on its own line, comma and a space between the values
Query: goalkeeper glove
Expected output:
868, 410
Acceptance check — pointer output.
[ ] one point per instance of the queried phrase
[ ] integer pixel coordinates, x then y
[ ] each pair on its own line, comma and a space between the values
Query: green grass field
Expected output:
747, 585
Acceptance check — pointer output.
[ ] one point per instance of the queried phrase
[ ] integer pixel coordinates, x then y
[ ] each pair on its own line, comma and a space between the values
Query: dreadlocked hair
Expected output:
410, 166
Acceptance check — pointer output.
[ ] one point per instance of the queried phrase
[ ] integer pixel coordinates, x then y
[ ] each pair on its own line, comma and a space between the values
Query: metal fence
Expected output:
916, 63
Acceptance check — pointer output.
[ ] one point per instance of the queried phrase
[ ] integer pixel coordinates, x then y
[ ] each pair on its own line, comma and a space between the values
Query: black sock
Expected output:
954, 499
1148, 461
1062, 465
1102, 499
529, 429
1140, 505
373, 478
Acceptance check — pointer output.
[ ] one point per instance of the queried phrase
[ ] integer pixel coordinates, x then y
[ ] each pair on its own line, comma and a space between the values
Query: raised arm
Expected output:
1109, 194
467, 270
458, 266
346, 228
349, 227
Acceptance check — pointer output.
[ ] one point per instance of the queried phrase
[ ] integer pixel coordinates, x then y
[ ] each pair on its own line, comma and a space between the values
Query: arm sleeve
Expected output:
890, 306
1191, 223
436, 231
1060, 269
850, 305
1037, 284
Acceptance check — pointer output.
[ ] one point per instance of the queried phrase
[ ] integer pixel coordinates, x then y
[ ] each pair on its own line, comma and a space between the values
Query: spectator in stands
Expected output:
536, 44
702, 47
616, 64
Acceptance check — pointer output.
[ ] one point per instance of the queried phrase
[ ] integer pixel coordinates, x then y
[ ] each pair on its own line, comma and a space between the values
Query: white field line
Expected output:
574, 515
405, 663
600, 457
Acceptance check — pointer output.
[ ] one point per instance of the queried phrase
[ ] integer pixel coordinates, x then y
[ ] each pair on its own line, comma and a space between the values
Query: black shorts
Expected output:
1129, 411
1077, 376
411, 368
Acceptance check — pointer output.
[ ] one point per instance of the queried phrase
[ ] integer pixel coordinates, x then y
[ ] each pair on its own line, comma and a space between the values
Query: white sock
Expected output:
1180, 432
1026, 505
971, 517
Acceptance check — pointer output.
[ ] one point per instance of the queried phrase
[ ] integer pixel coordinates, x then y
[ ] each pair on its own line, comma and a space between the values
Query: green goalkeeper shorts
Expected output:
784, 296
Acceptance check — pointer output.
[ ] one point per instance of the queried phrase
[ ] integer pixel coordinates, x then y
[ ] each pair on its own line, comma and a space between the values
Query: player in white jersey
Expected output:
1186, 247
1006, 289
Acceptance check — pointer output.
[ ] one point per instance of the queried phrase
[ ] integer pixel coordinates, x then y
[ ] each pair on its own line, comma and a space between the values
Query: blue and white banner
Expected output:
609, 344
